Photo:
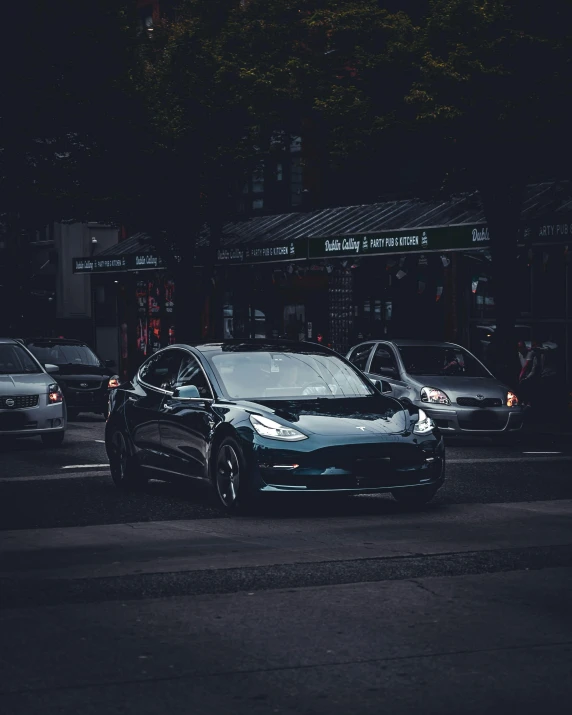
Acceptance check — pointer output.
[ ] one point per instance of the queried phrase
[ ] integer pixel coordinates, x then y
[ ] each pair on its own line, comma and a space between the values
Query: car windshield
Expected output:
14, 360
287, 375
61, 354
441, 360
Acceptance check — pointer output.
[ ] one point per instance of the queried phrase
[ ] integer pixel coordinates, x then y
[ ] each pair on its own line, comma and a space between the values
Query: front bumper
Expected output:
32, 421
366, 467
454, 419
88, 400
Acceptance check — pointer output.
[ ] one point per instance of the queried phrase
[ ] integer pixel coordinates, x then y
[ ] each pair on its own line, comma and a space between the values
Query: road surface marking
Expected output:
49, 477
542, 452
85, 466
497, 460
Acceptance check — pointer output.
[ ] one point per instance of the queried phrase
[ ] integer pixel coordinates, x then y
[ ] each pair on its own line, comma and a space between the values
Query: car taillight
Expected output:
113, 382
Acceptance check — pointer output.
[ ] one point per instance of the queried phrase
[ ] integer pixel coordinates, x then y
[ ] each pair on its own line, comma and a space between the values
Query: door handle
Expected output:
169, 407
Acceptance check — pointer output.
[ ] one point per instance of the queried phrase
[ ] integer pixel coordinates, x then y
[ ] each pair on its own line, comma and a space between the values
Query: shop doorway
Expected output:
295, 321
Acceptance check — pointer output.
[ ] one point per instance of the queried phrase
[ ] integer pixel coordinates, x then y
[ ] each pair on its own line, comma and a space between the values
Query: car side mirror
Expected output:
51, 368
187, 392
110, 363
375, 383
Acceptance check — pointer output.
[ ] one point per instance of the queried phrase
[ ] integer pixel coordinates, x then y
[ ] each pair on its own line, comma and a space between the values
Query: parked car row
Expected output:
84, 378
45, 382
256, 417
455, 389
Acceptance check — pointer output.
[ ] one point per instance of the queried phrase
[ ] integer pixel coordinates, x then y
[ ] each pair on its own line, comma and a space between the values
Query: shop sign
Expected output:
428, 239
99, 265
550, 230
268, 253
147, 261
110, 264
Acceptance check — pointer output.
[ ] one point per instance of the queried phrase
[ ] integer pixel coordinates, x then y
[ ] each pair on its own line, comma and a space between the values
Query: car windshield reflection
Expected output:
288, 375
442, 361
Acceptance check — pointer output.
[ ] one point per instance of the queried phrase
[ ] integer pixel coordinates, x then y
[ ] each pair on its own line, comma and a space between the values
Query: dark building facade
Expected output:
412, 268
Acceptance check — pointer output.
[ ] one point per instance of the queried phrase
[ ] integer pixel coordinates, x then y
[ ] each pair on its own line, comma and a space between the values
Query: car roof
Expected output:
420, 343
260, 345
9, 341
55, 341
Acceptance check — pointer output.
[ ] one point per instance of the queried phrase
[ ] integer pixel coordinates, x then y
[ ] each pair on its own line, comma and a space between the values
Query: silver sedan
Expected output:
448, 382
31, 402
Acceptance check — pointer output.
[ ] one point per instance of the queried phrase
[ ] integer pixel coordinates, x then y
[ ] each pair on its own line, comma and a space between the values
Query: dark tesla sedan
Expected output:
84, 379
258, 416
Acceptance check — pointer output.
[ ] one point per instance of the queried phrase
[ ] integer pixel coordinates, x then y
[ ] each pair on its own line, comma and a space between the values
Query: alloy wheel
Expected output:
228, 475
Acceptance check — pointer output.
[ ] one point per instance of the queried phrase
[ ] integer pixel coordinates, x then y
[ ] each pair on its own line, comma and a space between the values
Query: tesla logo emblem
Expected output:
361, 428
480, 397
10, 402
83, 384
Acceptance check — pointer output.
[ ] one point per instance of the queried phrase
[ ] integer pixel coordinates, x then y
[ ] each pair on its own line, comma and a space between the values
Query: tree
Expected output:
71, 125
495, 78
480, 88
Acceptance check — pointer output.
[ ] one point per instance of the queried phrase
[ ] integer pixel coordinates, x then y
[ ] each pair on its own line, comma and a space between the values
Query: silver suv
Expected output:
31, 402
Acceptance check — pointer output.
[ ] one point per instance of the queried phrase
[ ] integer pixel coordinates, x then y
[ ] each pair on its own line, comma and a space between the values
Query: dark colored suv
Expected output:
83, 377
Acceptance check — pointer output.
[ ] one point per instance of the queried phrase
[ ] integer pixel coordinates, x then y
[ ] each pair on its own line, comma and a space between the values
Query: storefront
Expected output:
542, 283
307, 281
336, 290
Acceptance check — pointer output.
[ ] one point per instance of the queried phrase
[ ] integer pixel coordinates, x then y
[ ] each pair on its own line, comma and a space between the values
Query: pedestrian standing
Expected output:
530, 376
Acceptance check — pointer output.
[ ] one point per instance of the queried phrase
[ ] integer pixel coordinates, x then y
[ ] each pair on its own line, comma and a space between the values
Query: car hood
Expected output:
336, 417
25, 384
456, 387
72, 372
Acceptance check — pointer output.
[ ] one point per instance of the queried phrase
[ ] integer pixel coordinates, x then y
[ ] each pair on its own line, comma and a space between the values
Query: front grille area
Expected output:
20, 401
484, 421
355, 457
84, 385
366, 467
473, 402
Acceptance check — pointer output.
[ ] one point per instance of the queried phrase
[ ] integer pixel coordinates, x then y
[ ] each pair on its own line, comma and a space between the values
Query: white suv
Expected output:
31, 402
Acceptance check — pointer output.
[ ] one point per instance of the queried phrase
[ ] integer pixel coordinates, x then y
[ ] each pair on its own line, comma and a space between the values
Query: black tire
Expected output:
125, 470
53, 439
229, 478
415, 497
73, 414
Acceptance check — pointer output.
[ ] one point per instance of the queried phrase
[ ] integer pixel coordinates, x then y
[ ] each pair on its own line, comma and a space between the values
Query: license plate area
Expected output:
15, 421
484, 419
372, 469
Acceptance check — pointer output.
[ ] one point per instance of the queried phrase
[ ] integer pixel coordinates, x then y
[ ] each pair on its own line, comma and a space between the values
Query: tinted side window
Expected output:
162, 369
383, 361
360, 355
190, 373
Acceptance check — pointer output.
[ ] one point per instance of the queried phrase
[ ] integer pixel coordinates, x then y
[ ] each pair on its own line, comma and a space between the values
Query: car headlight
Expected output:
424, 424
511, 400
113, 382
268, 428
55, 394
432, 394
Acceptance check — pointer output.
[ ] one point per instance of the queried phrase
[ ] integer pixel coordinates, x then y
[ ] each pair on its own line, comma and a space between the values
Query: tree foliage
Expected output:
160, 132
495, 80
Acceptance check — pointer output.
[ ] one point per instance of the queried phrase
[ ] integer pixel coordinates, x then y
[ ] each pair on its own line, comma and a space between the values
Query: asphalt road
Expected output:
154, 602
